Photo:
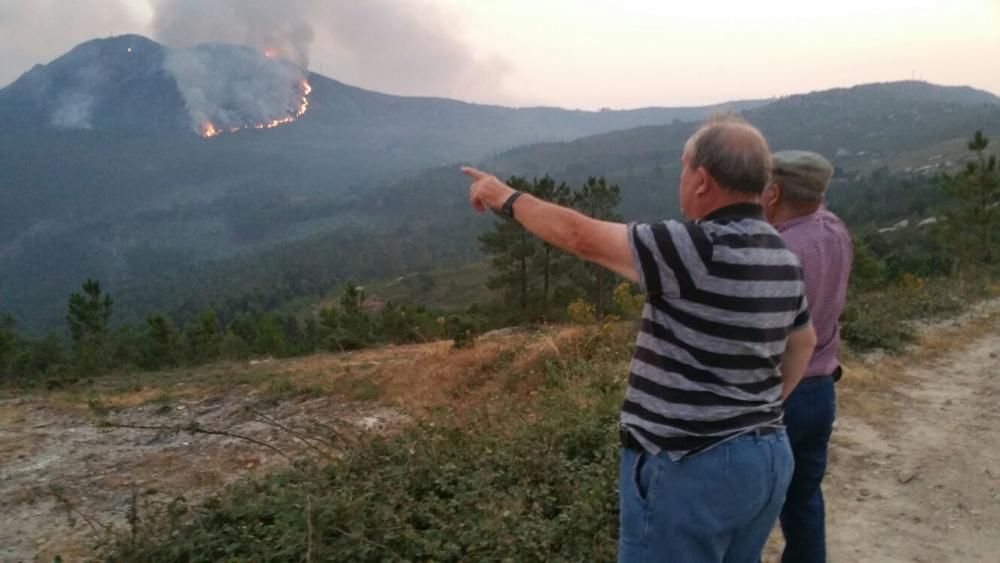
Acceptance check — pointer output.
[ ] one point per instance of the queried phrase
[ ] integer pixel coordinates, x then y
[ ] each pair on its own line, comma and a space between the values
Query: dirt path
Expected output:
915, 462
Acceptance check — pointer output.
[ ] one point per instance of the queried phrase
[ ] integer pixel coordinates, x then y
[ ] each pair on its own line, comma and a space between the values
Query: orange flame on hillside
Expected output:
208, 129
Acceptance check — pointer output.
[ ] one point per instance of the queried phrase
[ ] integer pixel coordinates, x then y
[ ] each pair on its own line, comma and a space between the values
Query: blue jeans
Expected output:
717, 506
809, 415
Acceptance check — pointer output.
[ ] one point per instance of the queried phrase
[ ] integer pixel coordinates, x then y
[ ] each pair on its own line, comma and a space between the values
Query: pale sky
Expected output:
590, 53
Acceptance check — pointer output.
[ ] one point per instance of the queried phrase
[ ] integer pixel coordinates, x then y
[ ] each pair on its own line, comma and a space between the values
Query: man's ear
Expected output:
774, 195
777, 194
705, 181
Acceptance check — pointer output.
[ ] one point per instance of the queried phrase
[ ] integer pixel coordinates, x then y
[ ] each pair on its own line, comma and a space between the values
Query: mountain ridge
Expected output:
131, 206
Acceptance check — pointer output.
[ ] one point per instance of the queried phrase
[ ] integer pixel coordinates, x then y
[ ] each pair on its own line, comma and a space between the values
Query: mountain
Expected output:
103, 171
130, 83
117, 83
122, 187
106, 133
423, 222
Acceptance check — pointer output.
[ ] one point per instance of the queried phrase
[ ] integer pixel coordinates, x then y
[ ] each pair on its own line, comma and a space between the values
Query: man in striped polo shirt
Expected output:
725, 337
793, 203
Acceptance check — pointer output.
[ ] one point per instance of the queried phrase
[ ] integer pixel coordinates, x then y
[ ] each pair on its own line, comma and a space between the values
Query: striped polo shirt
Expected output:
723, 293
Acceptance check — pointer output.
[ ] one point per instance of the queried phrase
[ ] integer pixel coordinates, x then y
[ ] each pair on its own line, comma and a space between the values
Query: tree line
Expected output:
531, 281
534, 280
95, 346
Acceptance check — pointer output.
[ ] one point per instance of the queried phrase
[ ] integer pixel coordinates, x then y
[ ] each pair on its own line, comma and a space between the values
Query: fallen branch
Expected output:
302, 438
194, 428
350, 441
71, 510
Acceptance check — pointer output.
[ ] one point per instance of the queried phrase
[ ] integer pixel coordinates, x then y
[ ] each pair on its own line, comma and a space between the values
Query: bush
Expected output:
885, 317
465, 486
581, 311
461, 330
233, 347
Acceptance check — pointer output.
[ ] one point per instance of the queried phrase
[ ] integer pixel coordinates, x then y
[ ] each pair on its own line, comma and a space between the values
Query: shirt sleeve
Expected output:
802, 318
655, 257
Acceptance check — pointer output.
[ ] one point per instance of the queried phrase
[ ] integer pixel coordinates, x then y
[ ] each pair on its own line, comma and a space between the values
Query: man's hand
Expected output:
601, 242
795, 360
486, 191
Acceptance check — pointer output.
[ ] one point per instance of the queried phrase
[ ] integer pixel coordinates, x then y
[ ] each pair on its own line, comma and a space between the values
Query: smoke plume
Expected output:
281, 28
233, 87
410, 47
226, 87
406, 47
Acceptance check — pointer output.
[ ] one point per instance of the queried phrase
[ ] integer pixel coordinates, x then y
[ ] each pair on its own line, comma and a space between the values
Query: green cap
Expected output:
802, 175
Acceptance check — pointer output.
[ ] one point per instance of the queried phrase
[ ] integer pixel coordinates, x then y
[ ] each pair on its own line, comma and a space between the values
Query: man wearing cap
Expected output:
725, 336
793, 203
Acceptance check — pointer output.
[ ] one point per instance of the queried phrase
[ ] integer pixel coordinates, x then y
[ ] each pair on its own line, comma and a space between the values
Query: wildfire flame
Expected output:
270, 53
209, 130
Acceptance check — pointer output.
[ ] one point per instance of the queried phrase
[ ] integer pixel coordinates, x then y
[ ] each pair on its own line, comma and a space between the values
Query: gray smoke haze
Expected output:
396, 46
264, 25
234, 87
75, 105
404, 47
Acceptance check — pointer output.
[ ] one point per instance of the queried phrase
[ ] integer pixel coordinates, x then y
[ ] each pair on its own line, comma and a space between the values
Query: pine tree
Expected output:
204, 338
294, 338
552, 262
163, 344
88, 316
512, 249
599, 200
8, 340
348, 327
972, 214
270, 337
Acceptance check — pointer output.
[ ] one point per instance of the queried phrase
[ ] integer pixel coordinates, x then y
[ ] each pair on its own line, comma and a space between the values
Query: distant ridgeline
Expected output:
894, 279
116, 184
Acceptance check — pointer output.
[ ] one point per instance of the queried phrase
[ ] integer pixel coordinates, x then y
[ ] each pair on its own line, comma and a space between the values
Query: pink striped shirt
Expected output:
823, 245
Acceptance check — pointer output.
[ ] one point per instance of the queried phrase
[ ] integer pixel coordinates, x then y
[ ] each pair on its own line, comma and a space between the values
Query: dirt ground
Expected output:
915, 456
64, 478
67, 476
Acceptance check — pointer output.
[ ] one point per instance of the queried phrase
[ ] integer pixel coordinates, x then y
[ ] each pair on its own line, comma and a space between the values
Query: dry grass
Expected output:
870, 386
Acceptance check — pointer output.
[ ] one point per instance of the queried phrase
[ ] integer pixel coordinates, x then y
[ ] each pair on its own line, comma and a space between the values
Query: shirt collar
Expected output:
785, 225
737, 211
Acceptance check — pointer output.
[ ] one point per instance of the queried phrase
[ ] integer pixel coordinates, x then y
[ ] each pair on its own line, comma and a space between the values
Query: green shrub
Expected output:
460, 487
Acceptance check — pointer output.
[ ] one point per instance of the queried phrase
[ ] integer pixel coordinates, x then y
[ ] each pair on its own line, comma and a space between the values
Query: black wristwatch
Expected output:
508, 206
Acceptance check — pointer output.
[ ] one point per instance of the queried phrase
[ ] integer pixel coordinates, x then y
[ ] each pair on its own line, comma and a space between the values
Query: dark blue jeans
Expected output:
809, 415
717, 506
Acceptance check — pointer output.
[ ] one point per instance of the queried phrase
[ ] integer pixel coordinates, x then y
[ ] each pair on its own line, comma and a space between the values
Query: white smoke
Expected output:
409, 47
234, 87
74, 108
74, 111
281, 27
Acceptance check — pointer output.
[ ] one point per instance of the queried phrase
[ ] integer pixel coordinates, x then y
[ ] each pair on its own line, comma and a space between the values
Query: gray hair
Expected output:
797, 192
734, 152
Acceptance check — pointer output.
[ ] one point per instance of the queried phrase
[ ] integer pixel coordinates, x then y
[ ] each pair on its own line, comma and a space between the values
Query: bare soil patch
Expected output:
915, 459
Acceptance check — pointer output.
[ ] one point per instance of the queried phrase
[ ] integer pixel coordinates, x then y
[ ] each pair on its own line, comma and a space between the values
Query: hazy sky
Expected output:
580, 53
